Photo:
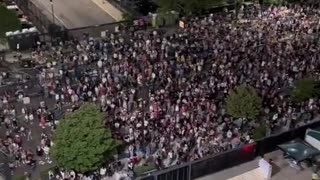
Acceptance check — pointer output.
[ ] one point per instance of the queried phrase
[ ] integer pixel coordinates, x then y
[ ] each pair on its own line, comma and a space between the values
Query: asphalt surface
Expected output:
33, 91
36, 134
75, 13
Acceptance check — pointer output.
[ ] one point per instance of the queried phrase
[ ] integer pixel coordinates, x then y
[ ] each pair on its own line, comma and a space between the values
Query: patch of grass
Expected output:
140, 170
8, 21
260, 132
20, 178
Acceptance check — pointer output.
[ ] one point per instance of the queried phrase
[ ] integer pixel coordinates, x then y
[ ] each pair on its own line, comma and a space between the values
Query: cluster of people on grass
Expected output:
165, 93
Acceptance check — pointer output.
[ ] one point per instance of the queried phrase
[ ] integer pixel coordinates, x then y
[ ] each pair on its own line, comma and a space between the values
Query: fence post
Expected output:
189, 173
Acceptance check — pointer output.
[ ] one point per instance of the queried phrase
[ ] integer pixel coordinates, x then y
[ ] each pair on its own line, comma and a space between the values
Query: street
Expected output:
75, 14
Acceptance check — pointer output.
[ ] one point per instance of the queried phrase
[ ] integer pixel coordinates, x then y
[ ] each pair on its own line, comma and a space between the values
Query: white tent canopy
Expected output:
312, 137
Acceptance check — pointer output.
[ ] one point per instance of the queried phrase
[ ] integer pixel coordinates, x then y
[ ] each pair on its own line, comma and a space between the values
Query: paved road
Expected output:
75, 13
36, 134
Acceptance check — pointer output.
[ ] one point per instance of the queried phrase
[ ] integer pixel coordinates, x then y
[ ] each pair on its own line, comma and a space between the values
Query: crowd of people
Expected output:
165, 93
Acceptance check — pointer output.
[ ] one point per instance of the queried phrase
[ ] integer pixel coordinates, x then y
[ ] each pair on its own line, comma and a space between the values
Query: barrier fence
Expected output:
97, 31
41, 19
228, 159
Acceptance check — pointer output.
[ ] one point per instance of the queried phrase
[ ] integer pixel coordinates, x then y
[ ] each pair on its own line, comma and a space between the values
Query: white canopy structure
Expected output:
312, 137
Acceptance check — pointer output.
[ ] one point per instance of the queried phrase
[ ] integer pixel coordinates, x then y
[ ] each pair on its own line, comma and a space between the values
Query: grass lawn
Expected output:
140, 170
8, 21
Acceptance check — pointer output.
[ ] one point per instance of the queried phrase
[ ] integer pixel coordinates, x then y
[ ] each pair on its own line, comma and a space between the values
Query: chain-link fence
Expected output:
96, 31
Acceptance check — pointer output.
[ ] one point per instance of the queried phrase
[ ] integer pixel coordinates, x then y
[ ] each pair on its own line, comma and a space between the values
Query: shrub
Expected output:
259, 133
305, 89
244, 102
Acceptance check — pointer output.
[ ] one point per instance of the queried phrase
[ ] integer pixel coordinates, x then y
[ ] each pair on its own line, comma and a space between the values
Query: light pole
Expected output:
52, 11
51, 28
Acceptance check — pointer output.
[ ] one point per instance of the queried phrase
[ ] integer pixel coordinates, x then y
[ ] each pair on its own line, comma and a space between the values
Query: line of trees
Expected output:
188, 6
244, 102
8, 21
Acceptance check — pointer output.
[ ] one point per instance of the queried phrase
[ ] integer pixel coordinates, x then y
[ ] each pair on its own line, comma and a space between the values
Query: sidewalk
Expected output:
109, 8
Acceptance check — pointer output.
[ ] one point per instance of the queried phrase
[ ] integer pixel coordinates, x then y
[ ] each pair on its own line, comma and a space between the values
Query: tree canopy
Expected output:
244, 102
187, 6
306, 89
9, 21
82, 142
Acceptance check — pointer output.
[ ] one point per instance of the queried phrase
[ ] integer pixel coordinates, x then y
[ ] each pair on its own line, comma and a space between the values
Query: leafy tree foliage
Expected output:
187, 6
128, 18
8, 21
244, 102
82, 142
273, 2
168, 5
260, 132
306, 89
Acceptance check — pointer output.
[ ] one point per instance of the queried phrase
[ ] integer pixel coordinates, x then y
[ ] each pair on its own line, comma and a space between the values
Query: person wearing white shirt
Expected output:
103, 171
26, 117
57, 97
72, 175
229, 134
100, 63
23, 111
46, 150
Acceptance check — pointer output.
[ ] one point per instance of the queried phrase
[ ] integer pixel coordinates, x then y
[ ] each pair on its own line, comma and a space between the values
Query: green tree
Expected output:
199, 6
188, 6
259, 132
127, 18
244, 102
305, 89
82, 142
274, 2
8, 21
168, 5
